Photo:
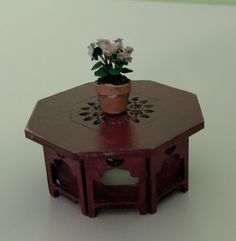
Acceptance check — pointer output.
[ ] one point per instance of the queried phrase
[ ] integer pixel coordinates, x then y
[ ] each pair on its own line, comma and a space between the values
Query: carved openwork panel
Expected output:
118, 176
63, 176
117, 179
172, 171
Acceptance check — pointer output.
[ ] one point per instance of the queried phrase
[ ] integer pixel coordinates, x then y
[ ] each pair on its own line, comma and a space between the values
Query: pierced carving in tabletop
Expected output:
137, 109
140, 109
92, 112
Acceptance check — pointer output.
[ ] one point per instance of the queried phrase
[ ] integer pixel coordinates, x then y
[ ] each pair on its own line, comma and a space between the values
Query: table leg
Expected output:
185, 154
143, 196
155, 164
50, 175
90, 191
153, 196
81, 186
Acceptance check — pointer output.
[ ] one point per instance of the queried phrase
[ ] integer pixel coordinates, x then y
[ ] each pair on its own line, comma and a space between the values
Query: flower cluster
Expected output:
111, 57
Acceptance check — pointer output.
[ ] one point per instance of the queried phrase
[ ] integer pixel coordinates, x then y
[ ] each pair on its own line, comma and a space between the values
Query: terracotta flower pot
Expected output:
113, 98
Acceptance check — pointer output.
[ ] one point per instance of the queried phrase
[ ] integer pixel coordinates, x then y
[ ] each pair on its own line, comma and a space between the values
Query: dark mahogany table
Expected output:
150, 141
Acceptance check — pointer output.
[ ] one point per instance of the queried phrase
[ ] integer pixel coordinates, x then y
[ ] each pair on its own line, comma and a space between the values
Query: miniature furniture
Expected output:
150, 141
65, 177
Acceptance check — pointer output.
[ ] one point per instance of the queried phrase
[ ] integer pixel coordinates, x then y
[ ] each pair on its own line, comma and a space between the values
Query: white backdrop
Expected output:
43, 50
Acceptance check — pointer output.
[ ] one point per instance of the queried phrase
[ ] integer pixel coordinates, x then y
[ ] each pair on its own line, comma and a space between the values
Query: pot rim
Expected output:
113, 90
112, 85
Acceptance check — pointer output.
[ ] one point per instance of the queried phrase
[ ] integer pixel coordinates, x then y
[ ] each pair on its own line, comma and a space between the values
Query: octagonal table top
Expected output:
72, 121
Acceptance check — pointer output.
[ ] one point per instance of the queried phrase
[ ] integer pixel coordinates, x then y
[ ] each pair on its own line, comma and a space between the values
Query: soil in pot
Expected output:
114, 80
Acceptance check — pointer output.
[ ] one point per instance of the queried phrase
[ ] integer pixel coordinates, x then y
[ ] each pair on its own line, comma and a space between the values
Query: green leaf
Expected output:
120, 62
106, 67
101, 72
97, 65
114, 57
115, 71
126, 70
97, 51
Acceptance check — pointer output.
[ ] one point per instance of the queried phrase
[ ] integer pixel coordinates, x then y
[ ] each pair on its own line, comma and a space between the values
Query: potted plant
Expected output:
112, 86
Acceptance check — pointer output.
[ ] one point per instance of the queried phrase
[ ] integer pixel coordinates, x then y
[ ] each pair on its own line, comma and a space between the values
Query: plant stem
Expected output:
103, 59
106, 60
110, 62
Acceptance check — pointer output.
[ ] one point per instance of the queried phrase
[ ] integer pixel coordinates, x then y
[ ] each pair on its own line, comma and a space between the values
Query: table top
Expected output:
72, 121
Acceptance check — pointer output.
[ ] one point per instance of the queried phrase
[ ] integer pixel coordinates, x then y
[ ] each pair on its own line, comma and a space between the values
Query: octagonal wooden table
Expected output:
150, 140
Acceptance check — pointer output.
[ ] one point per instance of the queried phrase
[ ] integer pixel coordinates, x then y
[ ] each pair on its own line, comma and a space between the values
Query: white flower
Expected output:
119, 43
112, 49
107, 47
128, 50
103, 44
124, 56
91, 49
